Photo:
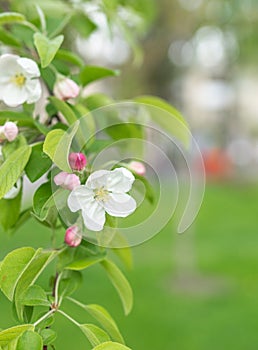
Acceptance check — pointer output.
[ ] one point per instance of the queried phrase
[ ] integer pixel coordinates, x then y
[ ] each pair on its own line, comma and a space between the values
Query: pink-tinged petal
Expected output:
77, 161
66, 88
73, 236
80, 198
29, 67
137, 167
120, 205
94, 216
10, 131
67, 181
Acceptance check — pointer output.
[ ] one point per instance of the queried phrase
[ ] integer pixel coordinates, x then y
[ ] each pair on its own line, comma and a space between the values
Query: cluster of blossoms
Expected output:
19, 82
104, 192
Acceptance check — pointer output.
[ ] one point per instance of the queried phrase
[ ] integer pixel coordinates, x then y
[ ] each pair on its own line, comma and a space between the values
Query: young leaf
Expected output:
48, 335
30, 340
13, 333
85, 263
11, 17
51, 142
39, 262
92, 73
69, 57
35, 296
103, 317
166, 116
8, 39
69, 283
120, 283
111, 346
64, 108
10, 147
94, 334
38, 164
12, 168
12, 267
57, 146
47, 48
8, 206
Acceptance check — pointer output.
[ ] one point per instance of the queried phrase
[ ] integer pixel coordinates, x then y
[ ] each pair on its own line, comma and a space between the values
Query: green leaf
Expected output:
8, 206
94, 334
48, 335
12, 268
57, 146
10, 147
47, 48
30, 340
64, 108
69, 283
84, 263
83, 24
92, 73
8, 39
98, 100
69, 57
12, 168
111, 346
103, 317
35, 296
11, 17
43, 193
38, 164
120, 283
51, 142
13, 333
166, 116
39, 262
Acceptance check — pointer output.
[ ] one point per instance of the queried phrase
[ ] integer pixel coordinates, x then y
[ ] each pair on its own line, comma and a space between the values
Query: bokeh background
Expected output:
198, 290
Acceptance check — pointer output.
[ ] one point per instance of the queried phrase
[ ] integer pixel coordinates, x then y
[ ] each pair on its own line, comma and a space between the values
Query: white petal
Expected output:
119, 180
120, 205
9, 66
14, 96
94, 216
80, 198
29, 67
34, 90
97, 179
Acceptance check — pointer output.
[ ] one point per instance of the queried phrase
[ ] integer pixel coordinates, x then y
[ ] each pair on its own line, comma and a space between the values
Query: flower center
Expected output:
101, 194
19, 79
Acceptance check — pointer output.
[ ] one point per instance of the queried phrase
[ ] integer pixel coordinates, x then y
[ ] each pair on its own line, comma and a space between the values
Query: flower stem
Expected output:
44, 317
69, 318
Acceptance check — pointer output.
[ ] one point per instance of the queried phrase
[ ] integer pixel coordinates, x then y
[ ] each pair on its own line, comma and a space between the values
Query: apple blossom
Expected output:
77, 161
66, 88
67, 181
8, 131
18, 81
104, 192
137, 167
73, 237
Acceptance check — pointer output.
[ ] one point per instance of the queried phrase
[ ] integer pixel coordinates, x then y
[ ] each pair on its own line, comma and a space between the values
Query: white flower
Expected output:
18, 80
104, 191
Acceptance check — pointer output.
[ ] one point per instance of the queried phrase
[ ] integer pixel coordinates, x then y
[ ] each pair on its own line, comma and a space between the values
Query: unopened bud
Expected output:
67, 181
137, 167
65, 88
9, 131
77, 161
73, 237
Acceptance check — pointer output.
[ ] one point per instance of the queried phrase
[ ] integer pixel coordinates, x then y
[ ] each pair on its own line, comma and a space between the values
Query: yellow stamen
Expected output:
19, 79
101, 194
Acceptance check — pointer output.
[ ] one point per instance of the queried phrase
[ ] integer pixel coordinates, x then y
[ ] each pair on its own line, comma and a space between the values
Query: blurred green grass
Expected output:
216, 306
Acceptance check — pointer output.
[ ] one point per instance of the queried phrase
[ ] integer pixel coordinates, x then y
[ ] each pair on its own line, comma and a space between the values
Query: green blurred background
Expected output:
197, 290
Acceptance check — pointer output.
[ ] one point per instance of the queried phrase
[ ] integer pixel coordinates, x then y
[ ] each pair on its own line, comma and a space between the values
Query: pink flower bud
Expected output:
137, 167
10, 131
77, 161
67, 181
73, 237
65, 88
